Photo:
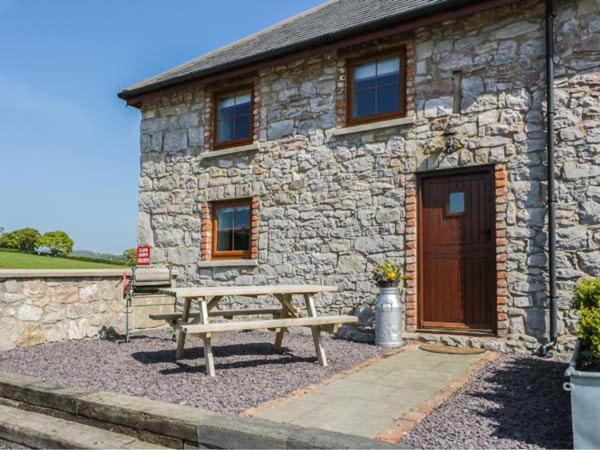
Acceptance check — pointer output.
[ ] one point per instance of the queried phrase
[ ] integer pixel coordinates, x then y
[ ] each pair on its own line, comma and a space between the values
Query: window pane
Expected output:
243, 98
225, 218
224, 241
243, 127
234, 117
365, 71
364, 103
387, 98
226, 108
456, 203
387, 66
388, 79
225, 130
242, 217
243, 109
241, 239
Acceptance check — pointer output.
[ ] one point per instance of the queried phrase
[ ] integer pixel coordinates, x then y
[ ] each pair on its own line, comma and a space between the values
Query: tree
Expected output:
131, 256
24, 239
57, 241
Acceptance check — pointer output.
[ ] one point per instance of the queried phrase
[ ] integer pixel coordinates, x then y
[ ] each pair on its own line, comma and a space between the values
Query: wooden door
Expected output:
457, 251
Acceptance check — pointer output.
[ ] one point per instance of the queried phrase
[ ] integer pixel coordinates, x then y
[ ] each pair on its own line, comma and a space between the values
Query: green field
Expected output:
13, 260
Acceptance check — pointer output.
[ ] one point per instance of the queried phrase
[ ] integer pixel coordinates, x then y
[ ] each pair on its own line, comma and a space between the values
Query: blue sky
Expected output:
69, 148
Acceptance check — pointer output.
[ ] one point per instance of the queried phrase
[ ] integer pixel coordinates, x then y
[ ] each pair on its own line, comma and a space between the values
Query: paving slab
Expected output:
369, 401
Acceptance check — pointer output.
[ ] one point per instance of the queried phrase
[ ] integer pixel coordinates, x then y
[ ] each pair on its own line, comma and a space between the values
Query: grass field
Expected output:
11, 260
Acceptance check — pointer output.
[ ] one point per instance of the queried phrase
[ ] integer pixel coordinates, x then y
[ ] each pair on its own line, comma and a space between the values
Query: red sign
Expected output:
143, 255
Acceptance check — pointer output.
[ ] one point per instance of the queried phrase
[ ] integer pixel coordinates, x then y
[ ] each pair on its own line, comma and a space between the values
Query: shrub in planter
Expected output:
584, 369
587, 303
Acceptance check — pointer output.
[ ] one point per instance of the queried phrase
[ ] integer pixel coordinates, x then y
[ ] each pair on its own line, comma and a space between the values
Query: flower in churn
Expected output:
388, 274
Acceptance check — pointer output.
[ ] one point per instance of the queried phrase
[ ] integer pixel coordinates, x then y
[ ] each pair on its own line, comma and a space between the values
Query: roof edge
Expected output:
127, 94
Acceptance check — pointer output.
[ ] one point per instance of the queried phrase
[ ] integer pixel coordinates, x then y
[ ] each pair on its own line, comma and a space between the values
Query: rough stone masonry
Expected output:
42, 308
333, 205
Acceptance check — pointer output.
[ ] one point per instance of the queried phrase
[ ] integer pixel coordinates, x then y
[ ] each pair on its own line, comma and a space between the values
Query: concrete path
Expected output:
367, 402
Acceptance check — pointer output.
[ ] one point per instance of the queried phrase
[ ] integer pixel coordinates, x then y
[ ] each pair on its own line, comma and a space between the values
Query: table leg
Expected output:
281, 333
187, 304
316, 331
288, 310
206, 338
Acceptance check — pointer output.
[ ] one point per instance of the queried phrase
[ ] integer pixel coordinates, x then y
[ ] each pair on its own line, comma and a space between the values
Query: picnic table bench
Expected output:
197, 322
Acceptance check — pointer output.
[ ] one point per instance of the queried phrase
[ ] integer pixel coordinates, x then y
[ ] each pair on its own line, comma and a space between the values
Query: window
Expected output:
233, 118
456, 203
376, 88
231, 229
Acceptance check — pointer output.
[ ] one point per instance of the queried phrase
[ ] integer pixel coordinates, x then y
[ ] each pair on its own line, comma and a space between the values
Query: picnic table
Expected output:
197, 322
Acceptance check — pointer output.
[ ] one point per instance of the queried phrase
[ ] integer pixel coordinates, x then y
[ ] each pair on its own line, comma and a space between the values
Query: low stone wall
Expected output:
38, 306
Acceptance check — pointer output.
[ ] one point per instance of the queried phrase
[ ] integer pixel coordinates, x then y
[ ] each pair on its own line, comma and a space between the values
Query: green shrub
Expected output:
130, 255
24, 239
587, 303
58, 242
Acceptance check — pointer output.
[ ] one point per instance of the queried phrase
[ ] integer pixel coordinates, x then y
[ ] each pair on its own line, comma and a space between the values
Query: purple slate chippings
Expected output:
515, 401
249, 372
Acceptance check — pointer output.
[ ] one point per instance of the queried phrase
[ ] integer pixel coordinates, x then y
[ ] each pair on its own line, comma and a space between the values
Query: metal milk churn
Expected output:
389, 318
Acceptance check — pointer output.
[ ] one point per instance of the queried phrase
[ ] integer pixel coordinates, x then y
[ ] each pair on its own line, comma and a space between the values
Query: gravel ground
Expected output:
515, 401
249, 372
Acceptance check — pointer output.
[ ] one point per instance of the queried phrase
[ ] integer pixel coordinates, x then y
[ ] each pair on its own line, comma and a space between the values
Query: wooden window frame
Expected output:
352, 63
229, 93
233, 254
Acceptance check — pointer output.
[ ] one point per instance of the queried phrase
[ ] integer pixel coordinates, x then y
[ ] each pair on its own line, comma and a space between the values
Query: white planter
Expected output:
585, 404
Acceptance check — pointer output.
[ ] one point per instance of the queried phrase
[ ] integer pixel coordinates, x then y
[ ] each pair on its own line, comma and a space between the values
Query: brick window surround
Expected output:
501, 205
209, 113
206, 229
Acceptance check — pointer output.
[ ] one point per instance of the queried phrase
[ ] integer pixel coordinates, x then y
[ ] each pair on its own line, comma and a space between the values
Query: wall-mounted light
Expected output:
449, 140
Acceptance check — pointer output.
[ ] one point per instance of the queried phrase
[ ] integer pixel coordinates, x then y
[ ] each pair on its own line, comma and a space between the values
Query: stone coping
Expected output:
63, 273
229, 151
178, 423
409, 120
228, 263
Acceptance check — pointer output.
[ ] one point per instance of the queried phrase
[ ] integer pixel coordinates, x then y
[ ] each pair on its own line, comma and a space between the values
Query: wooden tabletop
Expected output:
211, 291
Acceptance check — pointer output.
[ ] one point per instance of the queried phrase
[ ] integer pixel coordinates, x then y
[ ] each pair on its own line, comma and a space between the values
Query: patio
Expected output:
514, 401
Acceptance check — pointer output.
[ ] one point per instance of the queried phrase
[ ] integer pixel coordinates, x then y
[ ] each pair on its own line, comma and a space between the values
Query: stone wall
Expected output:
38, 306
332, 205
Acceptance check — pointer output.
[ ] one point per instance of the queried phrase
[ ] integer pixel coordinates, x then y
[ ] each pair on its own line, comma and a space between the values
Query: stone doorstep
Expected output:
164, 423
395, 432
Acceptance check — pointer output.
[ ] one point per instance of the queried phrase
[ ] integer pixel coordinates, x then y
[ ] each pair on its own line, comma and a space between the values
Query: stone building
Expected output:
363, 130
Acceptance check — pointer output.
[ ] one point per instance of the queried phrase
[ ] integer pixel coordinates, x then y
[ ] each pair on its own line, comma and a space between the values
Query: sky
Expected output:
69, 148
